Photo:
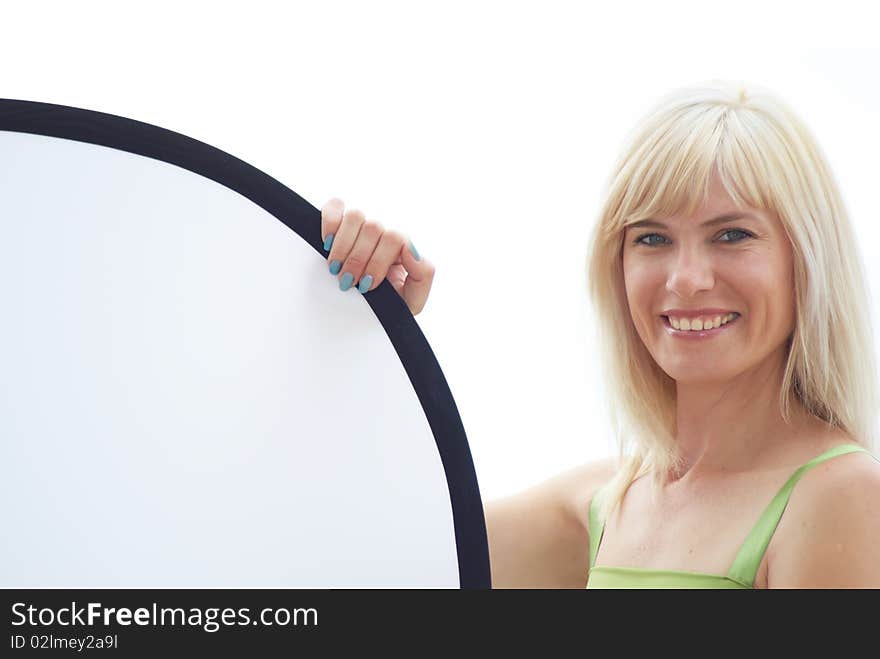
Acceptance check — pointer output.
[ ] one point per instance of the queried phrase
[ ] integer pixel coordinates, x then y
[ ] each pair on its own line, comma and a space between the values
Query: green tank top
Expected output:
745, 565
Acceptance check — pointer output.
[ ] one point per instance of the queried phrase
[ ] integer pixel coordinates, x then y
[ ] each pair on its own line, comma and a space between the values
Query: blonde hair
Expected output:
765, 158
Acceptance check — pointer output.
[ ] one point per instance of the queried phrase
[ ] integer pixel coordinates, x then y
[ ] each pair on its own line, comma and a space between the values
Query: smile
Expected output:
696, 334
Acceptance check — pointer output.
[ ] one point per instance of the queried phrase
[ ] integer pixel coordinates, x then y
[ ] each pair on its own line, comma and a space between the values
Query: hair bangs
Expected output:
672, 173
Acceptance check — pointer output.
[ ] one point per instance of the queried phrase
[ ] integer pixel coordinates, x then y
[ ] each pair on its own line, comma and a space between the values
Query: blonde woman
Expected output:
738, 353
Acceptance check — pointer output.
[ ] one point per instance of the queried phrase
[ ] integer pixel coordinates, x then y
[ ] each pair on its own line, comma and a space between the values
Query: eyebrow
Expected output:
727, 217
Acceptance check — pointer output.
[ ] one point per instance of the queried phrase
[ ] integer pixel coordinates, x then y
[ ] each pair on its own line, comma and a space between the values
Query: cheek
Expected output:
641, 291
631, 287
787, 289
765, 285
786, 303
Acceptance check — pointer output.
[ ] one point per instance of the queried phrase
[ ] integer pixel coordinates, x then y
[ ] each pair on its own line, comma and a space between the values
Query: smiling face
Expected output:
697, 269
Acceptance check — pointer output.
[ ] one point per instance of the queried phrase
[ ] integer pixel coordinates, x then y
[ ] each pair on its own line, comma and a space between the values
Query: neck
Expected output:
727, 427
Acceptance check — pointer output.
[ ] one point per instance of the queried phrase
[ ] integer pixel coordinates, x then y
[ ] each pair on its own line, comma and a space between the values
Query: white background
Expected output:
484, 130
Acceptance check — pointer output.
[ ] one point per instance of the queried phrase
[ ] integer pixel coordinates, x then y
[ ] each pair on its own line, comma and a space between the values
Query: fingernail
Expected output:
365, 284
345, 282
412, 249
328, 241
334, 267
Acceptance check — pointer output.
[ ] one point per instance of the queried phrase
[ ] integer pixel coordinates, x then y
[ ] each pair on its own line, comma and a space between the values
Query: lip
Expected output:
695, 334
689, 313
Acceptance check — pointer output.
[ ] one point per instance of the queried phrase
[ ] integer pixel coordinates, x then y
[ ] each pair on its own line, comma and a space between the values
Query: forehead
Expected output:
719, 201
718, 207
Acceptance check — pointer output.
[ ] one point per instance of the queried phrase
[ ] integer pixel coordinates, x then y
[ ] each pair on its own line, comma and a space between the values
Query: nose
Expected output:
690, 272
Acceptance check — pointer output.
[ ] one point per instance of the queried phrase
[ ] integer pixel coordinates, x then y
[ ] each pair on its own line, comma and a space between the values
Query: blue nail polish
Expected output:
334, 267
365, 284
328, 241
345, 282
412, 249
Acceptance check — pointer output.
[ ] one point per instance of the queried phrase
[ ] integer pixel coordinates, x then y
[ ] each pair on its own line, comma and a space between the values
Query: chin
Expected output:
697, 375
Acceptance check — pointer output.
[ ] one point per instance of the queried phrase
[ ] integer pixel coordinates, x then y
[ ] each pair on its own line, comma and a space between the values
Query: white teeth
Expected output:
701, 323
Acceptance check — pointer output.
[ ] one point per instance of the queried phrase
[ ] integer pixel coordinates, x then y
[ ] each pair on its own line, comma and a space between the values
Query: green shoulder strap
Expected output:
748, 559
596, 525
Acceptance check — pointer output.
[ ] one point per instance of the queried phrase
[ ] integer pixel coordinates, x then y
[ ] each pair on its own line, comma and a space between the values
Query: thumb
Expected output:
420, 276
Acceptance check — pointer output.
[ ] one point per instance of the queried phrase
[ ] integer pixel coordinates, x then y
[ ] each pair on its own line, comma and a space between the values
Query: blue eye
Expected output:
638, 241
743, 232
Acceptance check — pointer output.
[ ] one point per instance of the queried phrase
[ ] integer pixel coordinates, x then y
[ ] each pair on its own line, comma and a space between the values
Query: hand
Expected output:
366, 253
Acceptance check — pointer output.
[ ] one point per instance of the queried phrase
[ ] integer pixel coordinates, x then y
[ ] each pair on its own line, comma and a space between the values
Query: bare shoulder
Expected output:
830, 530
538, 537
576, 487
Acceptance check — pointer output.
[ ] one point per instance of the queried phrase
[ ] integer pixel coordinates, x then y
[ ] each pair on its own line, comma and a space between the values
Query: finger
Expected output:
386, 254
343, 241
420, 276
361, 253
396, 277
331, 218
